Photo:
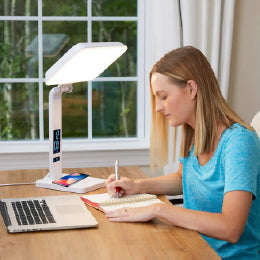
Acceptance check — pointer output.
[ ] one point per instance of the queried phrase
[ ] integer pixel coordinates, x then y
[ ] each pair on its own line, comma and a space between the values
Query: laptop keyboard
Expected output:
32, 212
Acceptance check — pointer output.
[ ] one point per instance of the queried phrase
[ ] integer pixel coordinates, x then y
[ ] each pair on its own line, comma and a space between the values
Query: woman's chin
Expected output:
173, 124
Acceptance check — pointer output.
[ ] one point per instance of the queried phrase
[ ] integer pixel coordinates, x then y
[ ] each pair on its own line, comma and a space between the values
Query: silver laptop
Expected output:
45, 213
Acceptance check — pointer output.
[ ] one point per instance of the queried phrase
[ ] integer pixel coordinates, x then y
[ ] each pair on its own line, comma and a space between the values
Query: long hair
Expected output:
181, 65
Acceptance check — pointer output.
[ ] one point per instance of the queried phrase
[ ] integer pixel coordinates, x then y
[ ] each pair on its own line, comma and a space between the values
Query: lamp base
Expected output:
83, 186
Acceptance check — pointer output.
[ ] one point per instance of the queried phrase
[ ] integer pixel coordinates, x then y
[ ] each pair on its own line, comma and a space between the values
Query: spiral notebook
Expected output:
106, 202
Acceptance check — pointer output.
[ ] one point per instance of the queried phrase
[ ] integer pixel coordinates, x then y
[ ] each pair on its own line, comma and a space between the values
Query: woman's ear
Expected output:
192, 88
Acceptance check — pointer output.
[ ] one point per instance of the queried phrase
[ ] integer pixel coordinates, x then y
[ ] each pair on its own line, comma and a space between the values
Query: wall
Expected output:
244, 91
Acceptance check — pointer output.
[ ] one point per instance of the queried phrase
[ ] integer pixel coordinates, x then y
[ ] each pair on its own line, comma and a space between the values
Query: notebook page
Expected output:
108, 202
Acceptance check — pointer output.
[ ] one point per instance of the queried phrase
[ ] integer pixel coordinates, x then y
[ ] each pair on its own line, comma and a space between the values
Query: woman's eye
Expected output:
163, 97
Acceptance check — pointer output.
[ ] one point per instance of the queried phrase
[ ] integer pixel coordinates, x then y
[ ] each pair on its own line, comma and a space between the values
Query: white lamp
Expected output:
83, 62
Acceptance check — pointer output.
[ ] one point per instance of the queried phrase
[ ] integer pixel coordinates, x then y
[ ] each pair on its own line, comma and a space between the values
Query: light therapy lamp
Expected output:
83, 62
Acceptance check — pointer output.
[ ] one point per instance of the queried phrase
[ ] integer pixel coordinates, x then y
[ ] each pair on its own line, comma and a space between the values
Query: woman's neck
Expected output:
206, 156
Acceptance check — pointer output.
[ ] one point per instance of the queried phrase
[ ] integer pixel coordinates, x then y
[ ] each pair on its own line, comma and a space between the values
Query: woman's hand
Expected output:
126, 186
140, 214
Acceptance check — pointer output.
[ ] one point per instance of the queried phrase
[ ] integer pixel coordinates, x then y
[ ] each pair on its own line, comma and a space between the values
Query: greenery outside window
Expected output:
33, 36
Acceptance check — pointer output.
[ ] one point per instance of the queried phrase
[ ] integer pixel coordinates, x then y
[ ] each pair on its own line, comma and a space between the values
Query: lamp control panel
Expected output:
56, 144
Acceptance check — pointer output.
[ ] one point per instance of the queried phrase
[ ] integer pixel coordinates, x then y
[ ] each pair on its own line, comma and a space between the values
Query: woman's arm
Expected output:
169, 184
227, 225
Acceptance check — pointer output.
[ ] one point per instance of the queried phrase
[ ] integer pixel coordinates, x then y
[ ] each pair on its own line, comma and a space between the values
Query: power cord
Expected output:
16, 184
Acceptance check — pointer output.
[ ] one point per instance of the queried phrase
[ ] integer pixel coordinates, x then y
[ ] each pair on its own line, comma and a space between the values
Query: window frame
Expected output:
130, 151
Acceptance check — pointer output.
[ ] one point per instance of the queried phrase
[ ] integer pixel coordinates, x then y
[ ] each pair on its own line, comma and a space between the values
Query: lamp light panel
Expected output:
84, 62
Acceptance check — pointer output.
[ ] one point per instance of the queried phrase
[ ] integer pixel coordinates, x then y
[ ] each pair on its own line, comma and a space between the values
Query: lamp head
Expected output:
84, 62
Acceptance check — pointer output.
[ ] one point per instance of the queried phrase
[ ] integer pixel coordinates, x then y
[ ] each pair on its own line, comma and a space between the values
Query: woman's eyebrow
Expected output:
159, 92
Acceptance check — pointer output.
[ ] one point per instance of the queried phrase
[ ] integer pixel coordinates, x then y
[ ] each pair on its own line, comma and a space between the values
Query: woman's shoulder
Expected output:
240, 136
238, 131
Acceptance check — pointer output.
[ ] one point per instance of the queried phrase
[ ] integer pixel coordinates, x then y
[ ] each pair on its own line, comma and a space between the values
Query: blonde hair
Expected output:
181, 65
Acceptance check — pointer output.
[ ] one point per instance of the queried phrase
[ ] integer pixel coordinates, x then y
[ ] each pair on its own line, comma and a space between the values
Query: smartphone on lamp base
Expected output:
70, 179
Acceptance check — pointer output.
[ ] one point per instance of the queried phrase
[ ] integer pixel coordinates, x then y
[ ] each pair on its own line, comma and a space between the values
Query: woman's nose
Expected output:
159, 107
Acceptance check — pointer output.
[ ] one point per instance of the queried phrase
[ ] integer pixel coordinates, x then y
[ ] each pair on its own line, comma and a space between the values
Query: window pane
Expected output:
114, 109
125, 32
64, 8
64, 35
19, 8
114, 8
19, 111
74, 111
17, 58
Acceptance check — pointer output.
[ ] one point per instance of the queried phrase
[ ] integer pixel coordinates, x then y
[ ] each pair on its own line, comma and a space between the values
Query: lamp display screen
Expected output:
56, 141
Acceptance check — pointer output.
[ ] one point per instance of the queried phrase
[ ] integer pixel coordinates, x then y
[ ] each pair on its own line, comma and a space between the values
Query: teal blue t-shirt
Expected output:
235, 165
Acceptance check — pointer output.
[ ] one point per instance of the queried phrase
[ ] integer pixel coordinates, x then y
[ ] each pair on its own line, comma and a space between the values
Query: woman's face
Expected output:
176, 103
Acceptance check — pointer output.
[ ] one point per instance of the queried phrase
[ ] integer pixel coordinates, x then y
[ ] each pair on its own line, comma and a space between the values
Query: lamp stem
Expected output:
55, 129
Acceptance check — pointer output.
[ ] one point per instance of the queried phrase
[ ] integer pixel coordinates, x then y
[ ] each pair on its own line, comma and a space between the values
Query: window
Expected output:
107, 113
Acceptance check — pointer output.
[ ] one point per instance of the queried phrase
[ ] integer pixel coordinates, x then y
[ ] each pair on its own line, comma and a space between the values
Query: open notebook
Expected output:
106, 202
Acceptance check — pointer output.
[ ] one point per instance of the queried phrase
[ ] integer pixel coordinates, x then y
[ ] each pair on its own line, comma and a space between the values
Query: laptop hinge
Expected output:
4, 213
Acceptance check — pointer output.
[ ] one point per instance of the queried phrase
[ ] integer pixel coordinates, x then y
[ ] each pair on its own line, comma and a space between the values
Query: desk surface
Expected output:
152, 240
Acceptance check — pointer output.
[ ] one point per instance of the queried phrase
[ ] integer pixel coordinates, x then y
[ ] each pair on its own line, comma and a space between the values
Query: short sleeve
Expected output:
241, 162
181, 159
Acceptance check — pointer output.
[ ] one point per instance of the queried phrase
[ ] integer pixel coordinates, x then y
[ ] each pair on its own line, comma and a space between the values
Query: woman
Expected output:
219, 171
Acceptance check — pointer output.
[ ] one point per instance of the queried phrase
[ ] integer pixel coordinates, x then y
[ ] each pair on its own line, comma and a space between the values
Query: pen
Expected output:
117, 177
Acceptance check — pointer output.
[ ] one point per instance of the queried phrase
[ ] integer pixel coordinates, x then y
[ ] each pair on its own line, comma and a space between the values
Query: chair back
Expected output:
256, 123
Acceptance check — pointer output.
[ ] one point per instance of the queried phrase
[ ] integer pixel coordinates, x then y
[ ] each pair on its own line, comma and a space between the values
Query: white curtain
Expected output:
206, 25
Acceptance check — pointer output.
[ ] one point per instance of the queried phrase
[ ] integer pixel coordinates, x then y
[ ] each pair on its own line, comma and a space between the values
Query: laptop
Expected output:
45, 213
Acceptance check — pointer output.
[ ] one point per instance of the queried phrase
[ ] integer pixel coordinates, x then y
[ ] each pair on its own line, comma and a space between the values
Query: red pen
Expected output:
117, 177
